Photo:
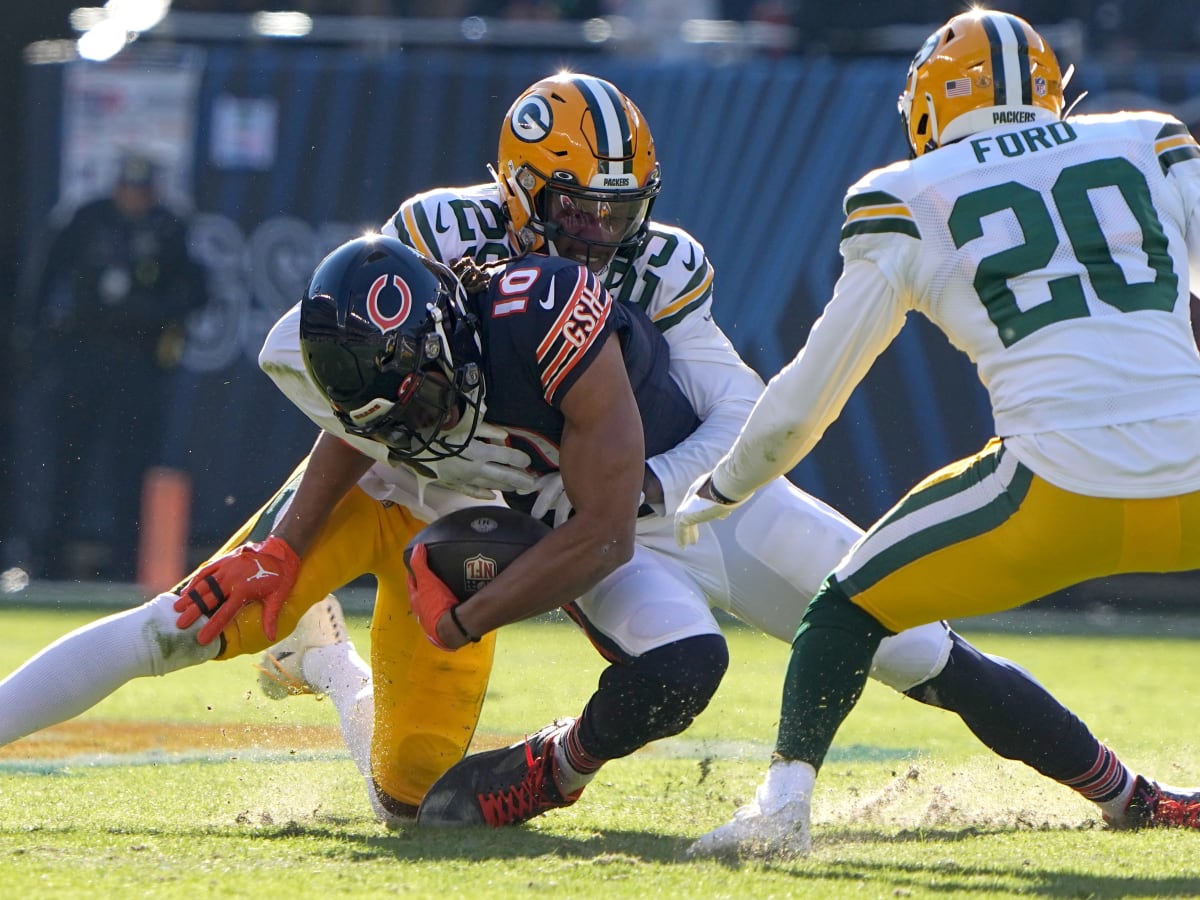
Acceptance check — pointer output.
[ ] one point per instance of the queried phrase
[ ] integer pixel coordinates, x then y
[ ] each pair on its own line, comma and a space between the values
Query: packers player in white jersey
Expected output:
576, 176
1057, 252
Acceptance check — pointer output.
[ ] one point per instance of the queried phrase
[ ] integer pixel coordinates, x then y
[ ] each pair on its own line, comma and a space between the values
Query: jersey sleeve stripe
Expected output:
881, 226
666, 323
1173, 144
896, 211
1181, 140
695, 293
1166, 160
569, 358
419, 232
558, 354
871, 198
1172, 129
876, 212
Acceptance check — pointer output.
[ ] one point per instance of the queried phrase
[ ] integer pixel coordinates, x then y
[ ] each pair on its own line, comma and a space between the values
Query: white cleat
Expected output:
281, 667
775, 825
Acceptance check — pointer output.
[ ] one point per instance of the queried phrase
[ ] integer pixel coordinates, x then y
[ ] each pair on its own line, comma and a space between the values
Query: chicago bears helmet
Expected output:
388, 340
577, 169
979, 70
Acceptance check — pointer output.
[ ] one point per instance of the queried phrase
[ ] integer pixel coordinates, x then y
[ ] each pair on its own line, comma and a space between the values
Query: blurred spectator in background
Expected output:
104, 330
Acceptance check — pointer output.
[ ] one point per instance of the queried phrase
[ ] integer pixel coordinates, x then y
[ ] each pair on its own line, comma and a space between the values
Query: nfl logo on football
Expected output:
478, 571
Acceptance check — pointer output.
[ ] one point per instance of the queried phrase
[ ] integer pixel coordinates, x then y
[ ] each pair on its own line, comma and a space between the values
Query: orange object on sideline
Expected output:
164, 526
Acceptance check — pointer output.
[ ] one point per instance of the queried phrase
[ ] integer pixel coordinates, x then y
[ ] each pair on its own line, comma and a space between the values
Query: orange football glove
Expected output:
264, 572
428, 596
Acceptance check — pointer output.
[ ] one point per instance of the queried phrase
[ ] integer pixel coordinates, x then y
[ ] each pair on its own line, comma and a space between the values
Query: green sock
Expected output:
830, 659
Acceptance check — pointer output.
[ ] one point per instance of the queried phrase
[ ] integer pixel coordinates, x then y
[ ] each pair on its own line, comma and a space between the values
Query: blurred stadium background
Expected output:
284, 128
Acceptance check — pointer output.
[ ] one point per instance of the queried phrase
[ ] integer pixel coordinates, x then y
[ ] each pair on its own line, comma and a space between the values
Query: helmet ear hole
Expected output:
923, 124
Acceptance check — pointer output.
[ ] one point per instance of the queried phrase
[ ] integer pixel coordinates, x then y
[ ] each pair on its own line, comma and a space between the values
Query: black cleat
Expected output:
499, 787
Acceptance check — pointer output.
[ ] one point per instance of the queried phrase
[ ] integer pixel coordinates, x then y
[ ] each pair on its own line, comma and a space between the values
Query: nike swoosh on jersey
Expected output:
438, 226
547, 302
690, 265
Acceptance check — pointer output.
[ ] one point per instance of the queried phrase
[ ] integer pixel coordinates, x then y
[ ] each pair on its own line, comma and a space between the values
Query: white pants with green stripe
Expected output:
985, 534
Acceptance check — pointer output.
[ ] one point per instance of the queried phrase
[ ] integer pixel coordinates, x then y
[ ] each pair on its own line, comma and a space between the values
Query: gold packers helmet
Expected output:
577, 169
979, 70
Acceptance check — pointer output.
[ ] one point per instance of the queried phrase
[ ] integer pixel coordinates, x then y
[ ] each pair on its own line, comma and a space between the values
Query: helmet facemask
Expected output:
591, 227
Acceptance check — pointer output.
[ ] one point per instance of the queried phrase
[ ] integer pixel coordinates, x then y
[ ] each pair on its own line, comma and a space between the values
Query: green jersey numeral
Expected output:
1085, 232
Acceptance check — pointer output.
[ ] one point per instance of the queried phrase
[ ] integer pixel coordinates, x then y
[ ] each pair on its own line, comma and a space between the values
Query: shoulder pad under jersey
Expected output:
450, 223
670, 278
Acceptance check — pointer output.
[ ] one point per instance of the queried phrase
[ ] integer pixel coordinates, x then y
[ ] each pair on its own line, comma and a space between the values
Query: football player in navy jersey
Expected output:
408, 361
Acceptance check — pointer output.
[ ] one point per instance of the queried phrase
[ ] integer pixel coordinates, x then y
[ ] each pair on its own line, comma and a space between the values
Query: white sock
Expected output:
567, 778
786, 781
341, 674
1114, 810
83, 667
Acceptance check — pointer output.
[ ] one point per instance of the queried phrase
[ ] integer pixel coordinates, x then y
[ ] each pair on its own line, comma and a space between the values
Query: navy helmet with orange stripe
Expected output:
388, 340
577, 169
979, 70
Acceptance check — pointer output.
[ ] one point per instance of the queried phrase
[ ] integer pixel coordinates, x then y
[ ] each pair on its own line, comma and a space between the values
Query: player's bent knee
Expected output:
658, 695
913, 656
165, 647
692, 678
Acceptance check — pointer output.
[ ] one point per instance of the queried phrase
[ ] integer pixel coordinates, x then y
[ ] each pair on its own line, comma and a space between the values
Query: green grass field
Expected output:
908, 805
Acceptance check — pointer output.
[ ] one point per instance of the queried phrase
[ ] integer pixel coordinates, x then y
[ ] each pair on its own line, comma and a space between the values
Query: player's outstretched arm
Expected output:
265, 572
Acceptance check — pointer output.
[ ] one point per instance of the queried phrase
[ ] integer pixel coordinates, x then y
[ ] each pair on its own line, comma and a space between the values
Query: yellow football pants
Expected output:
986, 534
427, 701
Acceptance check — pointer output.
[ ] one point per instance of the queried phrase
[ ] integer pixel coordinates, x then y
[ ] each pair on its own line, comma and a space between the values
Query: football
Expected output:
468, 548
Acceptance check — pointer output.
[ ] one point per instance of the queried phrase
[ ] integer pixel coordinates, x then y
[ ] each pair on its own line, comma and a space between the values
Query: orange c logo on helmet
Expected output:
387, 321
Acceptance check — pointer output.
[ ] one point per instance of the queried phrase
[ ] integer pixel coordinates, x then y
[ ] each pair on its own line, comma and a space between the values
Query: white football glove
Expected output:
695, 510
551, 495
485, 466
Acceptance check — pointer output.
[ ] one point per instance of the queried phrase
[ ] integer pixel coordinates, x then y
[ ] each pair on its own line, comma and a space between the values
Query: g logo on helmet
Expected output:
532, 120
387, 321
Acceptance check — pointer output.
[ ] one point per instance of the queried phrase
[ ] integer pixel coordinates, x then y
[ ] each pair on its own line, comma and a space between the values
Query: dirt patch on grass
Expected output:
81, 738
92, 737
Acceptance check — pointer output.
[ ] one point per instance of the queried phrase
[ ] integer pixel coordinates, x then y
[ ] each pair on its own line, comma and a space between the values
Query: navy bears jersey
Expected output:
542, 322
669, 277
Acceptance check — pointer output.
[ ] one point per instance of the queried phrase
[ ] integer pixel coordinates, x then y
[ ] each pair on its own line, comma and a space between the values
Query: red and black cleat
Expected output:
499, 787
1155, 805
